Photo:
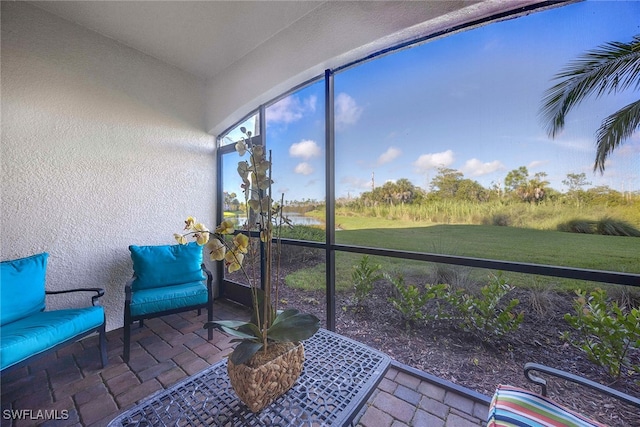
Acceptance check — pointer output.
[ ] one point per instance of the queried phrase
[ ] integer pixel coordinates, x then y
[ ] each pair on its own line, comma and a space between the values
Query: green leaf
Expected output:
285, 314
608, 69
297, 327
244, 351
228, 323
236, 333
251, 329
237, 328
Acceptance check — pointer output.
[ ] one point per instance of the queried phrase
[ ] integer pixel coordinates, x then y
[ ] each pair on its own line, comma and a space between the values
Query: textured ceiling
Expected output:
201, 37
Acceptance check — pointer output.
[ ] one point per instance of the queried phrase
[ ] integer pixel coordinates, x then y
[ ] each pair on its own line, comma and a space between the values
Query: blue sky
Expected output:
468, 102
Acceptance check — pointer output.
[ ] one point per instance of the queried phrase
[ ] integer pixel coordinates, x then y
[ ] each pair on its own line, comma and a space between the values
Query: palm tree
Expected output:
608, 69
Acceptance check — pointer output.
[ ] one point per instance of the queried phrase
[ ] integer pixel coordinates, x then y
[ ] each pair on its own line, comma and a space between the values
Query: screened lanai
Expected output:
121, 119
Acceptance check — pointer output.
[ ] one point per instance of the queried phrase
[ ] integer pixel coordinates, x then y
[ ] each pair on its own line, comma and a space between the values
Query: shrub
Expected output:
457, 276
303, 232
499, 219
612, 227
484, 315
607, 333
363, 276
540, 299
410, 300
577, 226
605, 226
627, 297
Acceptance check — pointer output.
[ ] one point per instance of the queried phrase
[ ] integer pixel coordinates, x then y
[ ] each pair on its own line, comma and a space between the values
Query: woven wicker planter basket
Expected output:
259, 386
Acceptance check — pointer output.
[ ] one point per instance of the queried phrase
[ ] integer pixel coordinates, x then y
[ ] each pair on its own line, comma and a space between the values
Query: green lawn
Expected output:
506, 243
501, 243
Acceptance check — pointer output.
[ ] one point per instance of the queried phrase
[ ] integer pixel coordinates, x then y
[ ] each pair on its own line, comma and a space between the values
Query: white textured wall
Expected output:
102, 147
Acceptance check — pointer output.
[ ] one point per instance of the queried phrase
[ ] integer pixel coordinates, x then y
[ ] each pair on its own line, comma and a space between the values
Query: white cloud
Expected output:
310, 103
629, 147
389, 155
427, 162
290, 109
347, 111
304, 168
475, 167
305, 149
537, 163
355, 183
577, 144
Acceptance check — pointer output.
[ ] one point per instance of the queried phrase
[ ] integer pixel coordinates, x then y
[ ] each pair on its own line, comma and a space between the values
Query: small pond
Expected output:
296, 218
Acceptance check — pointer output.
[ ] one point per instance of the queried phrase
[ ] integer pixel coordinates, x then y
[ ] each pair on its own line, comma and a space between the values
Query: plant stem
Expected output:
266, 227
279, 249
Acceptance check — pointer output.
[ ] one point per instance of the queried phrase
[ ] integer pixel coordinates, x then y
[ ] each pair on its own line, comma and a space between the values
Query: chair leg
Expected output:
127, 341
103, 345
210, 318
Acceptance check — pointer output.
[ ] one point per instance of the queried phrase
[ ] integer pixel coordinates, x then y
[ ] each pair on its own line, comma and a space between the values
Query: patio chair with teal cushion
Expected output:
28, 330
166, 280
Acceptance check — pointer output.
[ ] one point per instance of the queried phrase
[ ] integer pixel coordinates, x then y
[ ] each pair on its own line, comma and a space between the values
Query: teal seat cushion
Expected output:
158, 266
147, 301
22, 290
43, 330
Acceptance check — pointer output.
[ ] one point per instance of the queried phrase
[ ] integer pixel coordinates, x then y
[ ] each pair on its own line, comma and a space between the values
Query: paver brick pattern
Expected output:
72, 385
403, 399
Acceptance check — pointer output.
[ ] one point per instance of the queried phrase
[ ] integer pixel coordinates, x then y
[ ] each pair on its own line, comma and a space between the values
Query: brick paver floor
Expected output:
73, 388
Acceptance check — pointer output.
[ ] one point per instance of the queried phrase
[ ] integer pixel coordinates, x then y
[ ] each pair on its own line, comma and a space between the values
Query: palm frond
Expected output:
611, 68
613, 130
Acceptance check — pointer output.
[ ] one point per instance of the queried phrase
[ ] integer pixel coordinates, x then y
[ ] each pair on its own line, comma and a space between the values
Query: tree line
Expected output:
451, 184
518, 186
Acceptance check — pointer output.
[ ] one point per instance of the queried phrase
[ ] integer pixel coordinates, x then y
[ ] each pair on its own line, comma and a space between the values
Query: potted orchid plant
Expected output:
268, 326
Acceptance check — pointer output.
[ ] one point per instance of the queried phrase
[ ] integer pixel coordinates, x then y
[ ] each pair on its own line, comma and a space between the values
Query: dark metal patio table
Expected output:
339, 376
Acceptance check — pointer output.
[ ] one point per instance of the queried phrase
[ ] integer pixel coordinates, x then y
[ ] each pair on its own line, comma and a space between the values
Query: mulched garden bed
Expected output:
441, 349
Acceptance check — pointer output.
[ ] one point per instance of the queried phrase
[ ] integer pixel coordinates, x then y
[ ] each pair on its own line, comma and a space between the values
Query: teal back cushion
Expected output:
22, 287
158, 266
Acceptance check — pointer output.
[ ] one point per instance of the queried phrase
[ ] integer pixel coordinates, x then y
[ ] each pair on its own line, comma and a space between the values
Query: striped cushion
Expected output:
512, 406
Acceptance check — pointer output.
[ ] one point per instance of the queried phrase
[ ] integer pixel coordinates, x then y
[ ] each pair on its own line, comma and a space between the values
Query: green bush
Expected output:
409, 300
605, 226
456, 276
606, 332
303, 232
578, 226
484, 315
612, 227
363, 276
498, 219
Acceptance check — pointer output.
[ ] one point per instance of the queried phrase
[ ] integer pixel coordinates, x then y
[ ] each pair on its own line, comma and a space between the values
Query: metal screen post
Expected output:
330, 201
